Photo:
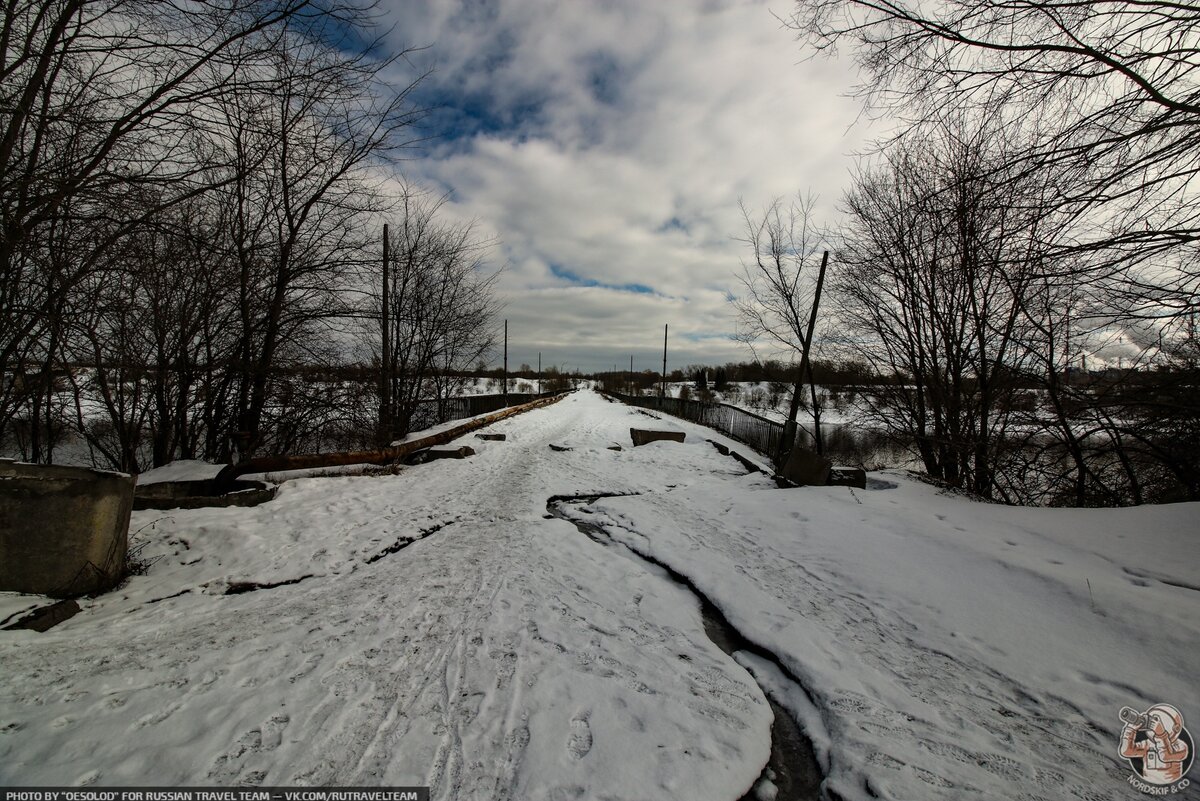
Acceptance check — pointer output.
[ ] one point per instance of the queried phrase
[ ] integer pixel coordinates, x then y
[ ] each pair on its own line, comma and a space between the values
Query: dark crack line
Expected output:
400, 545
793, 766
44, 618
168, 597
604, 538
239, 587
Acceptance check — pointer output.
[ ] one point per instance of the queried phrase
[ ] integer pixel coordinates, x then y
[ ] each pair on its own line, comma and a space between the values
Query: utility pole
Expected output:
385, 360
662, 390
505, 363
539, 372
629, 387
1066, 349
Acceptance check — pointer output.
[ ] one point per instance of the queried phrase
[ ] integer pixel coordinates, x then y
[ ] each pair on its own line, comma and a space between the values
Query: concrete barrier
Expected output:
806, 468
201, 494
381, 456
433, 454
847, 477
642, 436
64, 531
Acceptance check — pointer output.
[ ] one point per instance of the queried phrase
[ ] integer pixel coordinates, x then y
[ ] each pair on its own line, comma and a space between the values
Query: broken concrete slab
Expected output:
432, 454
201, 494
642, 436
493, 437
806, 468
725, 450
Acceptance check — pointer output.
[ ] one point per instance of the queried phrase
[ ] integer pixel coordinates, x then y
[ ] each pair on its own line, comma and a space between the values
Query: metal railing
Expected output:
758, 432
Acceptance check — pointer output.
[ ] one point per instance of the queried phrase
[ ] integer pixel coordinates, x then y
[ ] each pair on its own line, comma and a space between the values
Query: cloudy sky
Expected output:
606, 145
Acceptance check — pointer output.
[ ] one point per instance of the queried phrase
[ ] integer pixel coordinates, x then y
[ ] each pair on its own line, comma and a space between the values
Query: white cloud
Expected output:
611, 142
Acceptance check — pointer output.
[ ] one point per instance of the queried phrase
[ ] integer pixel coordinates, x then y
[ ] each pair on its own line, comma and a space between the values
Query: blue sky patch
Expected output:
577, 280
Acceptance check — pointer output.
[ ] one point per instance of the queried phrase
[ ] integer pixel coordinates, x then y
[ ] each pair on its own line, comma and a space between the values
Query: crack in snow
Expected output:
400, 545
239, 587
792, 772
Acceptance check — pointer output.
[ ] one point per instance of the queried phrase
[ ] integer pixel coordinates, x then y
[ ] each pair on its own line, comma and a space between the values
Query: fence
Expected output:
759, 433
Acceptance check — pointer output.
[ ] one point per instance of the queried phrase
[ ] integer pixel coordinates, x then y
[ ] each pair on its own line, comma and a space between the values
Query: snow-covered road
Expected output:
948, 649
504, 656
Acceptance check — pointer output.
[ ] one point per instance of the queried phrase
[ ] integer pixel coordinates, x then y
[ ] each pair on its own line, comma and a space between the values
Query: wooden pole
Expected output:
662, 391
385, 373
1066, 350
539, 373
806, 361
804, 371
505, 390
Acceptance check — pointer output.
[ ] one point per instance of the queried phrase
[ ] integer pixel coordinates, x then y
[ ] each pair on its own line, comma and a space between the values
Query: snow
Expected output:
439, 628
180, 470
955, 649
504, 655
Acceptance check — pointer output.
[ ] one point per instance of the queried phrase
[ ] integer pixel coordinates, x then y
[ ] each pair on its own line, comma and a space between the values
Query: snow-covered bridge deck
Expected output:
950, 649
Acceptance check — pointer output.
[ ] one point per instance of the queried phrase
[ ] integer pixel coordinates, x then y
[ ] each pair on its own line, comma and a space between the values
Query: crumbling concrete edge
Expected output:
725, 450
276, 464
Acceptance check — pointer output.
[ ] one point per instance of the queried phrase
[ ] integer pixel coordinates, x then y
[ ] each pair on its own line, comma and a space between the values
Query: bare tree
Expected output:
442, 305
301, 197
1110, 111
113, 112
97, 96
937, 261
1111, 88
782, 289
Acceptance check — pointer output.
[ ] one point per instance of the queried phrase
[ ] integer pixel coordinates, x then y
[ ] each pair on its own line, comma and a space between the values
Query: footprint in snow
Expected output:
89, 778
580, 741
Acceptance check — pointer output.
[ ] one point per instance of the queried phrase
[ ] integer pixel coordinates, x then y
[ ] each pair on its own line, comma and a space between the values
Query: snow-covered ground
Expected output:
953, 649
949, 649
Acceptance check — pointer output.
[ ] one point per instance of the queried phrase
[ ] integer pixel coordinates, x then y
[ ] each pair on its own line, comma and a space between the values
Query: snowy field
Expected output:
438, 627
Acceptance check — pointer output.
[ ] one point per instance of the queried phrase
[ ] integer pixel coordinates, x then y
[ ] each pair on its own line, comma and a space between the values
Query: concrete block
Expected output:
641, 436
806, 468
64, 531
848, 477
